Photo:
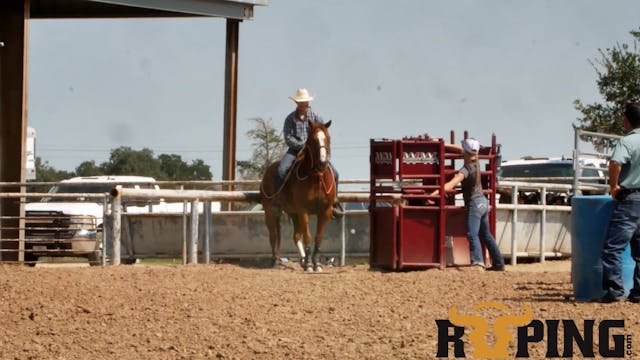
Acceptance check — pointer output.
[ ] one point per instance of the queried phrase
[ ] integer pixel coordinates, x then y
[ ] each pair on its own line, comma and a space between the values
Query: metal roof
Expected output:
233, 9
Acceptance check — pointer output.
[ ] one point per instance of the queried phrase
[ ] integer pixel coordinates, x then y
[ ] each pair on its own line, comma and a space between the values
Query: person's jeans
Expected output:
623, 229
477, 221
286, 162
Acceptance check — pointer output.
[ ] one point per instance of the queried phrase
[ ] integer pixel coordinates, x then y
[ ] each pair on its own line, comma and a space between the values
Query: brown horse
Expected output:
308, 189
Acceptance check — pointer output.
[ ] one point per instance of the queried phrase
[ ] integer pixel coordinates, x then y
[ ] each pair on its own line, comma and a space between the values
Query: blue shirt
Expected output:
296, 129
627, 154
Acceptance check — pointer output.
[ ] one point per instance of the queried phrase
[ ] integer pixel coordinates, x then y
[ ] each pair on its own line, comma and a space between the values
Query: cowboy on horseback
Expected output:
295, 135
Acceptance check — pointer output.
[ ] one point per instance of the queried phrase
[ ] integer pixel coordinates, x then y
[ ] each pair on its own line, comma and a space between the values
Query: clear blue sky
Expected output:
377, 68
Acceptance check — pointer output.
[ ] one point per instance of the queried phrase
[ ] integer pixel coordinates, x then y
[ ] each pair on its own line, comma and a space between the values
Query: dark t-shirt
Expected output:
471, 186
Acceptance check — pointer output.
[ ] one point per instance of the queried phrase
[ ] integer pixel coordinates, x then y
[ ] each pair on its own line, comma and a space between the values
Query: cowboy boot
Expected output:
338, 211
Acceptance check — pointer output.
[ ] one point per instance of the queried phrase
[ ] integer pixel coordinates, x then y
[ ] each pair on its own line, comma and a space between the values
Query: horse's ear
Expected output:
310, 123
327, 124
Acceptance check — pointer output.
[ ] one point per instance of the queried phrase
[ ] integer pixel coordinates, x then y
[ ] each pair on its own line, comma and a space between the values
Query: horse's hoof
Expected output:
277, 266
309, 269
318, 268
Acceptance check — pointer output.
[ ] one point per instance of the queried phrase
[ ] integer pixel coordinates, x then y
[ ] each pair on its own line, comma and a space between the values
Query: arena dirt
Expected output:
245, 311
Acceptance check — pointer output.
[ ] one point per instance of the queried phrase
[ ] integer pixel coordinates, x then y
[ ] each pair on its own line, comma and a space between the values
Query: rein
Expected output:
323, 184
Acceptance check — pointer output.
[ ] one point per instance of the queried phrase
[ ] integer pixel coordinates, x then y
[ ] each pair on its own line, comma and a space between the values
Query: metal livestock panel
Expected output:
235, 234
243, 234
557, 233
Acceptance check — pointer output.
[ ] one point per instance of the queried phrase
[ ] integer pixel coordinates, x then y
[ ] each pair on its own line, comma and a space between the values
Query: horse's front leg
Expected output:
303, 227
297, 239
323, 221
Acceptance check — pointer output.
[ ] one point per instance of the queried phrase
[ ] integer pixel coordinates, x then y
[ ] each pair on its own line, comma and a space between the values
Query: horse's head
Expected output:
319, 144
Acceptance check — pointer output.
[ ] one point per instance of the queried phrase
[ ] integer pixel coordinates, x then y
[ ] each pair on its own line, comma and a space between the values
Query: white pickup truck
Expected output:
73, 226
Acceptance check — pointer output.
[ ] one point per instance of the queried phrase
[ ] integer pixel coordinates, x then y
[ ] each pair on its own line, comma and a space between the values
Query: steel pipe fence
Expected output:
524, 230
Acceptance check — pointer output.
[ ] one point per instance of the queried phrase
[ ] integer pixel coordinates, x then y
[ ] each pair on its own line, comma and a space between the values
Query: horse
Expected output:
308, 189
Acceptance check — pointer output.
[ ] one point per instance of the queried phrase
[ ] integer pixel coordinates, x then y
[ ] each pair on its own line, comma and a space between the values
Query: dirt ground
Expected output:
247, 311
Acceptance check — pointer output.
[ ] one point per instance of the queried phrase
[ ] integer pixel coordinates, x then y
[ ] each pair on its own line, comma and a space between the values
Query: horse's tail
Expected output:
268, 177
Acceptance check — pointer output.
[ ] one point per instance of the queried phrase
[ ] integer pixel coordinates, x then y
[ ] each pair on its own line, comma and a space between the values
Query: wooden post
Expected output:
14, 24
230, 104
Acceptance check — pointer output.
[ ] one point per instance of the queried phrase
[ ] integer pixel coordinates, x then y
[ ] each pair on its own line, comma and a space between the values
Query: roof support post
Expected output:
230, 103
14, 22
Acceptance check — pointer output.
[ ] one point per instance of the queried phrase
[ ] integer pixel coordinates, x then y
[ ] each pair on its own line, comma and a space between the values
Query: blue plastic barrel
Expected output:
589, 222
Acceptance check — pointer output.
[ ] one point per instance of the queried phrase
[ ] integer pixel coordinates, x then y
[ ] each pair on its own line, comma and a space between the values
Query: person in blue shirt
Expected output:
624, 225
295, 135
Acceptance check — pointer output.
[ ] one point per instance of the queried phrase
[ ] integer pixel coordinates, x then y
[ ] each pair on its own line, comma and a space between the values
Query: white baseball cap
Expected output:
471, 145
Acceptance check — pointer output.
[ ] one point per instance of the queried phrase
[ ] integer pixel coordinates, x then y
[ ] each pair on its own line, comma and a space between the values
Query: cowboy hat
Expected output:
302, 95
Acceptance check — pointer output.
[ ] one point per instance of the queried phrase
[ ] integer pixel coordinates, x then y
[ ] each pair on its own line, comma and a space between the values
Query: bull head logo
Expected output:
481, 328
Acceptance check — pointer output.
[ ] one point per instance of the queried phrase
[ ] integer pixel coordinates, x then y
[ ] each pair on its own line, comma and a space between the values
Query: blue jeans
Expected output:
477, 221
286, 162
623, 229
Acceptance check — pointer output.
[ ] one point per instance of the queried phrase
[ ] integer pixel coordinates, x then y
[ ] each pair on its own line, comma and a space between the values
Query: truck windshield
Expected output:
77, 189
89, 188
536, 170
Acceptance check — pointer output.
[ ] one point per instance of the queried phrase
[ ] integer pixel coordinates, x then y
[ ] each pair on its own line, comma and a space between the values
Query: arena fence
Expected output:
197, 235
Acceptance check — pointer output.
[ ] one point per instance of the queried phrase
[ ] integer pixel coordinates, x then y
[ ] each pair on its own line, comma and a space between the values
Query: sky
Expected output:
378, 69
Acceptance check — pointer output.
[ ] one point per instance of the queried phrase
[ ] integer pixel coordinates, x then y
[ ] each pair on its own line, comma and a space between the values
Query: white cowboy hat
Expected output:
302, 95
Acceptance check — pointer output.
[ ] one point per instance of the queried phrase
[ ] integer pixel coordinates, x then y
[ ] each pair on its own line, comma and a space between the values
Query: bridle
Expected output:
312, 154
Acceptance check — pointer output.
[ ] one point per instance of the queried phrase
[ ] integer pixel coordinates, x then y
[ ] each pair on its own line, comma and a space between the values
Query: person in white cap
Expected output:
476, 205
295, 135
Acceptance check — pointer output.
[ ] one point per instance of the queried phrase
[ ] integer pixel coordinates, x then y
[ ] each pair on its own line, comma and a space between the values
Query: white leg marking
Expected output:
300, 248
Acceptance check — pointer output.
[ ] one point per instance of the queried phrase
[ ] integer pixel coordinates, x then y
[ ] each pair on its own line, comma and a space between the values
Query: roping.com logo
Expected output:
527, 331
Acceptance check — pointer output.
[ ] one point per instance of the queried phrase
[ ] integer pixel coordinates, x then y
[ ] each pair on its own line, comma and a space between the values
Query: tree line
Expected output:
126, 161
267, 145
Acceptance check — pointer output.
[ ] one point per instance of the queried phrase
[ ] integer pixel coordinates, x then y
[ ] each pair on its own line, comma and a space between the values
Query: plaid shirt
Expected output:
296, 130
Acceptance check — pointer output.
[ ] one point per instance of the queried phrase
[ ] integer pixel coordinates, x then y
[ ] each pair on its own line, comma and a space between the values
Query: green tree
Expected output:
175, 169
172, 166
45, 173
198, 170
268, 147
89, 168
618, 71
125, 161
